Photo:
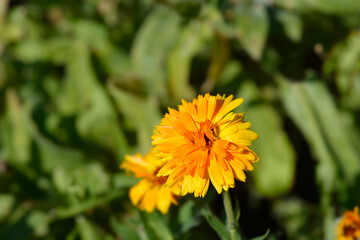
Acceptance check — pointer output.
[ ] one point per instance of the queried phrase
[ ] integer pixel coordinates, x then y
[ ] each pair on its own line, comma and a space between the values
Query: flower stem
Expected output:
230, 215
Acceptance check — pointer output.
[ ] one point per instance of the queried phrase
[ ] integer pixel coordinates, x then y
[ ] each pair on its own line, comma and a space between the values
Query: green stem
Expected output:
230, 215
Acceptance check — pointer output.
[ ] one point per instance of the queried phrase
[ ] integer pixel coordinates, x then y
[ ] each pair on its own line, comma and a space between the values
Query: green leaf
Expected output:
253, 25
292, 24
299, 107
215, 223
191, 41
262, 237
312, 109
187, 217
150, 48
51, 154
274, 174
343, 62
141, 118
86, 97
90, 178
39, 222
7, 202
335, 130
16, 138
155, 226
125, 230
91, 203
122, 180
86, 229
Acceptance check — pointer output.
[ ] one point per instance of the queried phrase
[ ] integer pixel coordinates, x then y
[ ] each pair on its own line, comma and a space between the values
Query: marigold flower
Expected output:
202, 141
349, 226
150, 192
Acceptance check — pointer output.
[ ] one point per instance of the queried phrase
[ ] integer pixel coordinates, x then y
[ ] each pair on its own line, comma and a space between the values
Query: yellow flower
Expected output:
349, 226
202, 141
150, 192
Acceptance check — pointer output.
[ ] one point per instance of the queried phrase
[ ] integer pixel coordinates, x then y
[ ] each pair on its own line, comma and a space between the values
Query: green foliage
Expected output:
83, 84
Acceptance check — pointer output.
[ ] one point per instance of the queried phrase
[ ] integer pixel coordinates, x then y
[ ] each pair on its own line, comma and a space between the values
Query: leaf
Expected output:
253, 25
294, 215
219, 59
85, 97
292, 24
90, 178
299, 107
343, 62
121, 180
263, 237
187, 217
312, 109
86, 229
334, 7
334, 129
85, 205
274, 174
215, 223
7, 202
126, 230
191, 41
150, 48
155, 227
16, 137
51, 155
143, 118
39, 222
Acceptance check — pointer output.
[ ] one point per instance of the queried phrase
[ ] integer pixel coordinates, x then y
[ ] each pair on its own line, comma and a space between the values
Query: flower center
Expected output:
206, 136
349, 231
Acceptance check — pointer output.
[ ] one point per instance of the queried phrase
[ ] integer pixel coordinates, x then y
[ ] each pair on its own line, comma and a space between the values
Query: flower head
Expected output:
150, 192
202, 141
349, 226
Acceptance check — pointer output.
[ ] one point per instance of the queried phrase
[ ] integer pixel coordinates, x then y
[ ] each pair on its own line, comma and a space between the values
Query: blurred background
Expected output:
82, 83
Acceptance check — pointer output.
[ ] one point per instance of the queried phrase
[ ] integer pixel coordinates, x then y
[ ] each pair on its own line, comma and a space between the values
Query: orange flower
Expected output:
349, 226
203, 141
150, 192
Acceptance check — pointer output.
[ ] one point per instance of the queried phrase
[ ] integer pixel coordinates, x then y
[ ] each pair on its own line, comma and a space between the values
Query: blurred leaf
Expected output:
237, 211
28, 223
344, 62
150, 48
299, 107
7, 202
252, 24
263, 237
292, 24
51, 155
295, 215
215, 223
86, 229
187, 217
143, 118
219, 59
124, 230
324, 6
191, 41
155, 227
312, 109
85, 205
275, 172
90, 179
17, 141
84, 96
334, 129
39, 222
122, 180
